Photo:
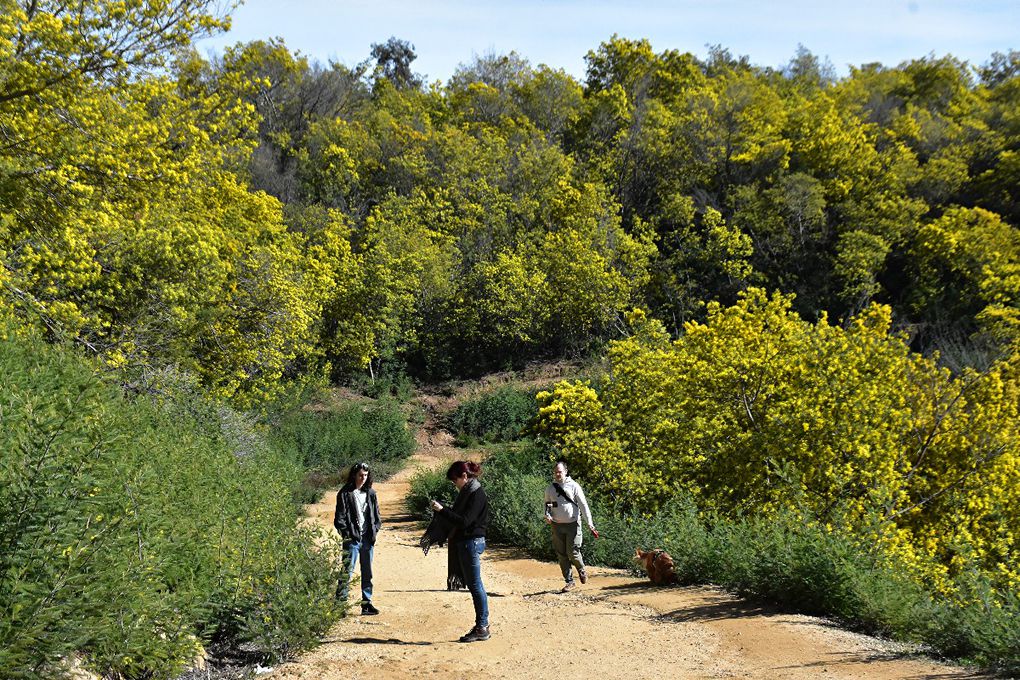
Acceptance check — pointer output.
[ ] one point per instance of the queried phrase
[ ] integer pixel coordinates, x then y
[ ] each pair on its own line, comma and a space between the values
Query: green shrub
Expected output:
514, 486
313, 483
388, 385
330, 442
289, 604
327, 443
515, 477
621, 533
982, 626
498, 416
131, 530
802, 567
426, 485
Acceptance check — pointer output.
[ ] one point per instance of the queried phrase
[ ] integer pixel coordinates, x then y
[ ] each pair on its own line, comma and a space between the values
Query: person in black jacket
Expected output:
470, 519
358, 521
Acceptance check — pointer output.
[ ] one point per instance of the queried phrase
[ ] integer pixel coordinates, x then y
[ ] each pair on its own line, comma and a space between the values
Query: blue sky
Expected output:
446, 33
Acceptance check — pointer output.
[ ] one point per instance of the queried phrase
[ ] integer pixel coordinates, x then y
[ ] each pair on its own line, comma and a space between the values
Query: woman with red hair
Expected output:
470, 519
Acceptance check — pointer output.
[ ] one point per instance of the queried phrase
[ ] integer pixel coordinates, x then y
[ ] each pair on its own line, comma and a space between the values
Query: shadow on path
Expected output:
384, 641
392, 520
838, 659
635, 587
463, 591
718, 611
502, 553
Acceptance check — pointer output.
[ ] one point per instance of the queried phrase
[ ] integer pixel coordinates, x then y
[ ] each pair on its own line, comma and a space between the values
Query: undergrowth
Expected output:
132, 530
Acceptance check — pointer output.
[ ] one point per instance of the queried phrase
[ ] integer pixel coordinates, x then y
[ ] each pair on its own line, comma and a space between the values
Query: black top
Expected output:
346, 519
470, 512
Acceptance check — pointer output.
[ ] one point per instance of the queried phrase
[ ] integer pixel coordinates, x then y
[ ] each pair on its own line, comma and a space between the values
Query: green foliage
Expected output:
132, 530
397, 385
515, 476
461, 210
966, 263
509, 214
425, 486
757, 411
514, 479
134, 238
860, 258
332, 441
499, 415
288, 607
808, 568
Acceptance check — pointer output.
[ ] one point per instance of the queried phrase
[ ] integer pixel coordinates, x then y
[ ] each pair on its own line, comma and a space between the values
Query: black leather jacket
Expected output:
346, 519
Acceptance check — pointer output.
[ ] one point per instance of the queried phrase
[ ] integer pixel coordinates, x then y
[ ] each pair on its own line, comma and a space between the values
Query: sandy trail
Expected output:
616, 626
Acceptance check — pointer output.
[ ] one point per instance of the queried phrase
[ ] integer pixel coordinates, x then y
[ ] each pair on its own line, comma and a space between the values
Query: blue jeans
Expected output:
353, 554
469, 552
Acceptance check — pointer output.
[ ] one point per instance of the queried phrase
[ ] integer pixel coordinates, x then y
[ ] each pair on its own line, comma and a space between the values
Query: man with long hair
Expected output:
358, 521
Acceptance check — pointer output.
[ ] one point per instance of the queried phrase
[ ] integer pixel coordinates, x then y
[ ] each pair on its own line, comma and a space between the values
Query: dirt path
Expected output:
616, 626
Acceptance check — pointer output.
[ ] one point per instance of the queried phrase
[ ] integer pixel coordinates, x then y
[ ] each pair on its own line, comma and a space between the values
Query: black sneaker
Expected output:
368, 610
476, 634
583, 575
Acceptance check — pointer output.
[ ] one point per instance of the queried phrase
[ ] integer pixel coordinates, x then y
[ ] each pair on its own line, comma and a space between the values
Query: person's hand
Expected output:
593, 532
548, 519
437, 506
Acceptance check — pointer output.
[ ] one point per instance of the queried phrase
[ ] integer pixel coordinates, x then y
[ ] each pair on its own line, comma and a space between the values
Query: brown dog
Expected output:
658, 565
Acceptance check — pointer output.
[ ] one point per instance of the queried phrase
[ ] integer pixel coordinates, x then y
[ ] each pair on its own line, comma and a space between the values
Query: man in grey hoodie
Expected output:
565, 505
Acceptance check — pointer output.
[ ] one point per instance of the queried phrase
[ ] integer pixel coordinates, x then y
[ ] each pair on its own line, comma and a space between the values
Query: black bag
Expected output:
561, 492
437, 533
454, 575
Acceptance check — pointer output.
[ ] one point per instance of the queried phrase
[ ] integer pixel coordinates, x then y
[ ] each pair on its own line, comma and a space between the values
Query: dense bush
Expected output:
758, 411
331, 441
807, 568
497, 416
515, 476
131, 531
394, 384
427, 485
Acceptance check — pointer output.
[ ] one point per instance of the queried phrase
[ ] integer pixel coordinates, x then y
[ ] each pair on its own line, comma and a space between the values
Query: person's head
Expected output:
560, 471
463, 470
360, 477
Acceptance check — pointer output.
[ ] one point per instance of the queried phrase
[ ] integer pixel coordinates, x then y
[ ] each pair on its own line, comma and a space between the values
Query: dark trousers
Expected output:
566, 540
